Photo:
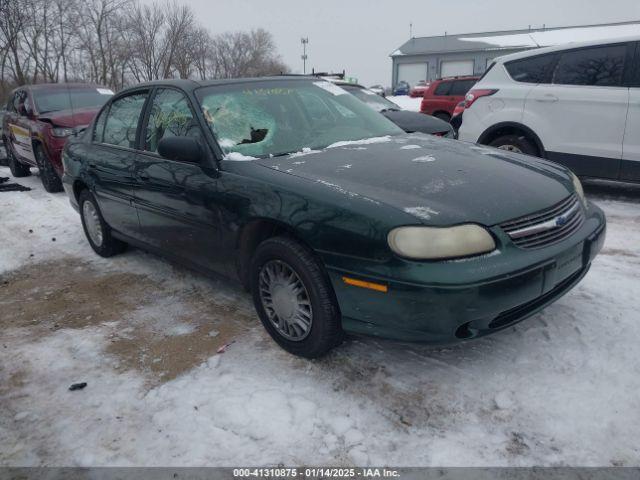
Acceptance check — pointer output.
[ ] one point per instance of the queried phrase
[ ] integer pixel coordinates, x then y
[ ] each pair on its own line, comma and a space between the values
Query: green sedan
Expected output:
335, 219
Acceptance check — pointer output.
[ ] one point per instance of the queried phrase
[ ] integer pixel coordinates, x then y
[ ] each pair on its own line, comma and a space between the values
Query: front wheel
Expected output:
515, 144
294, 298
96, 229
50, 179
17, 169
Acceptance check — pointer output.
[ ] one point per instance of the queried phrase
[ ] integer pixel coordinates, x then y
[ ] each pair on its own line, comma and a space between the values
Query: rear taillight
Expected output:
475, 94
459, 109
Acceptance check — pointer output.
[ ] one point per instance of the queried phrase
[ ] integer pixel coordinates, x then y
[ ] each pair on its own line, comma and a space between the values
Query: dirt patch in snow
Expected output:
71, 294
66, 294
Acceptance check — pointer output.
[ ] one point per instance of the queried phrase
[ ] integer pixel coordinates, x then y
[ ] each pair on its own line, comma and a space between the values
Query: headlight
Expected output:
430, 243
578, 187
61, 131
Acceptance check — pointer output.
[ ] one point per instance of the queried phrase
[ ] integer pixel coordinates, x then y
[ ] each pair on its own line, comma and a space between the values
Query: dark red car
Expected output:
443, 95
39, 119
419, 89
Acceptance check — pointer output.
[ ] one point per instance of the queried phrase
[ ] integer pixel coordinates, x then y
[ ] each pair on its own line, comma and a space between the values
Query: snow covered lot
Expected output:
561, 388
406, 102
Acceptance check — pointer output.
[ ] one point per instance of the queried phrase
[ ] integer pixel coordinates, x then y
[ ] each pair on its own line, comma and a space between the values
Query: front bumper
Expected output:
442, 302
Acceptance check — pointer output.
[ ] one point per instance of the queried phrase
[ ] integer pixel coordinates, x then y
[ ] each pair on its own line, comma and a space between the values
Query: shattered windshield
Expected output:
277, 117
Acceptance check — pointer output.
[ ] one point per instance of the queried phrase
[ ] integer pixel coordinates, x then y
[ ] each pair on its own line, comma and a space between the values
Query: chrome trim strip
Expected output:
548, 225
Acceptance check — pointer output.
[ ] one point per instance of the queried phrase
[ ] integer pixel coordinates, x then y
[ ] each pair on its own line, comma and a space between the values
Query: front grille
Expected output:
548, 226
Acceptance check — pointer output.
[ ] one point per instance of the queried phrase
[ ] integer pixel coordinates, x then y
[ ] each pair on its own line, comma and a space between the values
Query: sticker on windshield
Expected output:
104, 91
330, 87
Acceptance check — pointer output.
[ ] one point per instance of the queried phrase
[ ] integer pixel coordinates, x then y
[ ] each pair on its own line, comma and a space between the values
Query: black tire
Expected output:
443, 116
109, 245
515, 143
4, 162
50, 179
325, 330
17, 169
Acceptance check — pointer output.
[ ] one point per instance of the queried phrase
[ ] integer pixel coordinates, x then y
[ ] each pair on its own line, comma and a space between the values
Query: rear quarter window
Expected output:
536, 69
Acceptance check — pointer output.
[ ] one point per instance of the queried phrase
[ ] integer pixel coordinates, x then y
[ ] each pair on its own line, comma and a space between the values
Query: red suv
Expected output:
39, 119
443, 95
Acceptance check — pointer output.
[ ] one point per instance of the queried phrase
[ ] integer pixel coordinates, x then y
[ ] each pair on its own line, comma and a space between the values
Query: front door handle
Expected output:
549, 98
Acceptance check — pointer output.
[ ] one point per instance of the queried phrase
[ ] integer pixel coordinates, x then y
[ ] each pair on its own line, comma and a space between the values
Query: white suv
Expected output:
578, 104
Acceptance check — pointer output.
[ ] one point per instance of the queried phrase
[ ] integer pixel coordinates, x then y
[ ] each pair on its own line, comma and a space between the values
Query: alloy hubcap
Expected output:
510, 148
285, 300
92, 222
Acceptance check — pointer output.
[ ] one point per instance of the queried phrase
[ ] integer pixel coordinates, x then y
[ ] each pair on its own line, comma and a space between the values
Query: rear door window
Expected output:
443, 89
532, 69
122, 120
597, 66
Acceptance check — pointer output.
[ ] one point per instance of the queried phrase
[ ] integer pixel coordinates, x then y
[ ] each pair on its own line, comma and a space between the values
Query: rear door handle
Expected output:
143, 176
549, 98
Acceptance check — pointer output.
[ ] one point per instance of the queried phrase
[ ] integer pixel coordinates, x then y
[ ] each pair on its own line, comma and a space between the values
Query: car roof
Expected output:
565, 46
342, 83
59, 86
460, 77
188, 84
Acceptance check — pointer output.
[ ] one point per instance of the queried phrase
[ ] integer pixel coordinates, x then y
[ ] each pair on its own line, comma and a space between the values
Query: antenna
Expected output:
411, 30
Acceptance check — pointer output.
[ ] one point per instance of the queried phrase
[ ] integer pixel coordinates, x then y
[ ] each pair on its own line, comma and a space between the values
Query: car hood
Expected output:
412, 122
70, 118
437, 181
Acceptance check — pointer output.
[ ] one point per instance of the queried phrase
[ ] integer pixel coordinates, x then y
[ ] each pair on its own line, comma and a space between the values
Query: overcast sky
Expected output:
359, 35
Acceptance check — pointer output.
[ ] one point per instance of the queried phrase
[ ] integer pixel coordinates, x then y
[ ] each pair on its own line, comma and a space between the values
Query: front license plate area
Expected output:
569, 263
565, 265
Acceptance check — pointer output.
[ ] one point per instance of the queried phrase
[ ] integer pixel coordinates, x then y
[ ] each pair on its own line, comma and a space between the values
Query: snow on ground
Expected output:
558, 389
406, 102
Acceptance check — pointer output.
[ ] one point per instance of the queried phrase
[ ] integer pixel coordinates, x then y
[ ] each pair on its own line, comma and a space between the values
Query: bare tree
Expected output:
147, 45
179, 23
14, 18
118, 42
240, 54
101, 37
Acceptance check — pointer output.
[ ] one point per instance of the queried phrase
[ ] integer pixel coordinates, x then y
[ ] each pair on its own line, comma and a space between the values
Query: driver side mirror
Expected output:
181, 149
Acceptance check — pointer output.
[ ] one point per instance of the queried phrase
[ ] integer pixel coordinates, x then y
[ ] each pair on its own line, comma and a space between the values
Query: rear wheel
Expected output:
515, 143
17, 169
294, 298
96, 229
49, 177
